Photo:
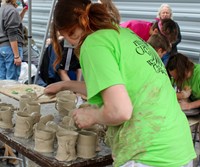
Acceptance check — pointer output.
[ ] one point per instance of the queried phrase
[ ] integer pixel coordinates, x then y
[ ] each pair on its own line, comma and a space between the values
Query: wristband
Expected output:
16, 57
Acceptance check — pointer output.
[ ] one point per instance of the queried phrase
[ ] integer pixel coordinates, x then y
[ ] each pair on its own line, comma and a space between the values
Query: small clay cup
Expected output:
86, 144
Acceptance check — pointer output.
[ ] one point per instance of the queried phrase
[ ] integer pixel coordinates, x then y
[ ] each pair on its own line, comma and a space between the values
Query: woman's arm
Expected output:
74, 86
79, 74
63, 75
23, 12
117, 108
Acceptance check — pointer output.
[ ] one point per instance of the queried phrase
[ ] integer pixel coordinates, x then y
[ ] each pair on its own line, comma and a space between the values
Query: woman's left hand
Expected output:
84, 117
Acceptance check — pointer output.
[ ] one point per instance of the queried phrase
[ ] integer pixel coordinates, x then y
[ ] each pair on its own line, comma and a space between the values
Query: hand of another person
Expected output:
17, 61
84, 117
186, 92
48, 41
185, 105
25, 9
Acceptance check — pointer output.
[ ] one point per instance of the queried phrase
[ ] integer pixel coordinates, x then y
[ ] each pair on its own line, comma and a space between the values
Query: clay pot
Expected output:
6, 115
24, 125
86, 144
23, 100
32, 94
44, 139
67, 123
66, 145
31, 107
65, 103
100, 131
44, 119
66, 96
64, 107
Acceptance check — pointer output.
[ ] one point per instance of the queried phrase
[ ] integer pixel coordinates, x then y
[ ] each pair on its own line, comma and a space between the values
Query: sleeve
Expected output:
100, 67
11, 24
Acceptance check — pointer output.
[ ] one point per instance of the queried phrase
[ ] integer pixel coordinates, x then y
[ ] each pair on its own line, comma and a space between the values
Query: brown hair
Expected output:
13, 2
168, 28
182, 65
70, 14
158, 41
112, 10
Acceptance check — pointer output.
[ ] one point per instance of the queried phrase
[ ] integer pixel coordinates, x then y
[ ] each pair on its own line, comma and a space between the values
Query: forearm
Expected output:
117, 107
195, 104
74, 86
78, 74
63, 75
110, 117
23, 12
14, 46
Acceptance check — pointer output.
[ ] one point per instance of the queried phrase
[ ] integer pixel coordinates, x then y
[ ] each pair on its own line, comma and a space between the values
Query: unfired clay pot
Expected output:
67, 123
66, 95
44, 119
31, 107
32, 94
6, 115
65, 103
24, 125
23, 100
86, 144
66, 145
100, 131
44, 139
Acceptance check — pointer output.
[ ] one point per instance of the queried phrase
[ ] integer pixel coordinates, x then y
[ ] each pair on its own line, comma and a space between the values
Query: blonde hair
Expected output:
161, 8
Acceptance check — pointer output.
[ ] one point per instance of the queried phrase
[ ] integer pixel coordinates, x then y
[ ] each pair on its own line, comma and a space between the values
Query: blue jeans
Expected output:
8, 70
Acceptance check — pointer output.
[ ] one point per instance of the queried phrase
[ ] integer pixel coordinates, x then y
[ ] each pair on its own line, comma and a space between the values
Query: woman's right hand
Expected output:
54, 88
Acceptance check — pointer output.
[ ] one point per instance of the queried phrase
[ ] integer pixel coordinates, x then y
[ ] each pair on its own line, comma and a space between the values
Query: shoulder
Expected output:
9, 10
100, 36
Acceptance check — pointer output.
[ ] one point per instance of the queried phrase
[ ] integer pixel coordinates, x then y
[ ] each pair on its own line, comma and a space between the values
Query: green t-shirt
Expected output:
158, 133
194, 83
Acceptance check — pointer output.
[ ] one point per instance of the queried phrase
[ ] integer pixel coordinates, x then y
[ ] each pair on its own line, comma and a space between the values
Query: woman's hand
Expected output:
84, 117
52, 89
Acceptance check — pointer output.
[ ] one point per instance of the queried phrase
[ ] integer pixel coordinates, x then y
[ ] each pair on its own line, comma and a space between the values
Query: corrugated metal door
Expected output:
40, 15
185, 12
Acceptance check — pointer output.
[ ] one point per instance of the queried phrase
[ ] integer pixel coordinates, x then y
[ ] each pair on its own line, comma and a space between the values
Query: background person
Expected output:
127, 80
186, 76
165, 12
11, 41
68, 68
144, 29
160, 44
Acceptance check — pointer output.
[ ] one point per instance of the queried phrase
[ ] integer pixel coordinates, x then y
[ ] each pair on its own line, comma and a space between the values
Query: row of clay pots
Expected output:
71, 144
